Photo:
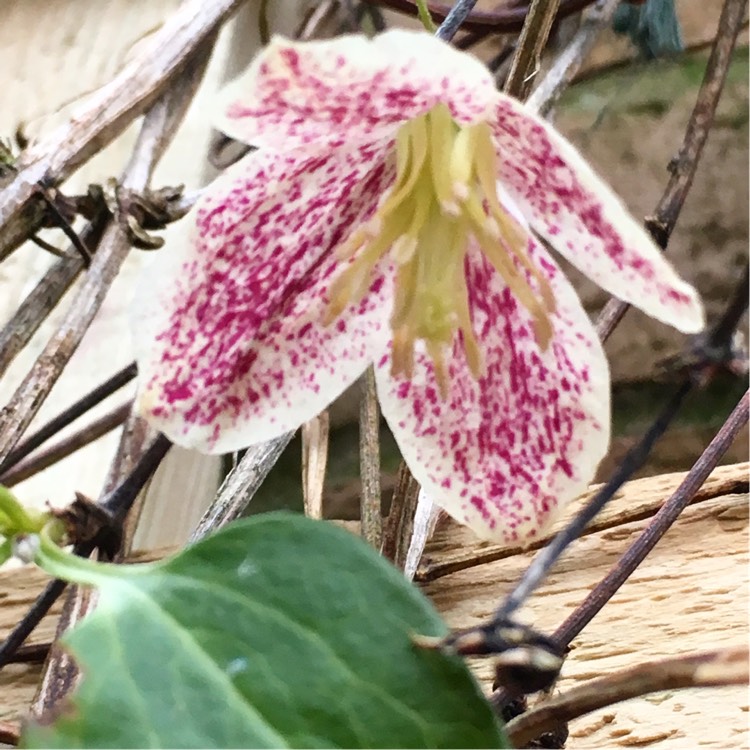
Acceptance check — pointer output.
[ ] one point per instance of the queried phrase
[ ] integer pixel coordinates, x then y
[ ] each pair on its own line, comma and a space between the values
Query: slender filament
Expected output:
445, 191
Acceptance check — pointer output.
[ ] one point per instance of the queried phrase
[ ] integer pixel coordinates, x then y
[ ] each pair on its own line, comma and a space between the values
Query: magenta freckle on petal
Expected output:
481, 506
377, 285
292, 59
673, 294
177, 392
564, 465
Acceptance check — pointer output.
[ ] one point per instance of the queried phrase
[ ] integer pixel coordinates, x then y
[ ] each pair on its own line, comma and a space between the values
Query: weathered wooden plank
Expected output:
455, 547
690, 594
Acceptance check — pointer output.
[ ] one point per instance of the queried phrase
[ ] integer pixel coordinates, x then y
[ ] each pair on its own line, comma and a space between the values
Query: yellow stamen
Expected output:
445, 190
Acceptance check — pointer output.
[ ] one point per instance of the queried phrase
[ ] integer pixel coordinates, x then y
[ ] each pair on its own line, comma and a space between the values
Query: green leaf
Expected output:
6, 550
15, 519
278, 631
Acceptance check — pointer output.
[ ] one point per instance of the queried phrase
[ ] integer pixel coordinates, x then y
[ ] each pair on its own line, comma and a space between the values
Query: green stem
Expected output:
13, 516
6, 551
62, 564
425, 17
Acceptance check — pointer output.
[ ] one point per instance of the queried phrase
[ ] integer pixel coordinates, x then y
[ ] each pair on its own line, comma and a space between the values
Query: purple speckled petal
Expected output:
350, 89
580, 216
230, 343
505, 453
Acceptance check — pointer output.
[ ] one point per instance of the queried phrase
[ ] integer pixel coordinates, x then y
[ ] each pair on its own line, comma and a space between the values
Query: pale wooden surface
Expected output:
690, 594
694, 585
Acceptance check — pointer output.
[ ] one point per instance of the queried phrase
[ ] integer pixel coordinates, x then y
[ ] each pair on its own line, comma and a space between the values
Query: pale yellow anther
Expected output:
404, 248
444, 191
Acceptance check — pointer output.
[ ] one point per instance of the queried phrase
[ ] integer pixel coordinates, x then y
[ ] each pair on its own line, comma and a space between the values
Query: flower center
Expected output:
445, 191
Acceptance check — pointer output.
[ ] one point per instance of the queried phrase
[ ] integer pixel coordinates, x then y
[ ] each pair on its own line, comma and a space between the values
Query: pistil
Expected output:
445, 191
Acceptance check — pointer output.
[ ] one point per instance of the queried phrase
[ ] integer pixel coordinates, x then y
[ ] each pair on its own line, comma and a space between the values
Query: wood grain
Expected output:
689, 595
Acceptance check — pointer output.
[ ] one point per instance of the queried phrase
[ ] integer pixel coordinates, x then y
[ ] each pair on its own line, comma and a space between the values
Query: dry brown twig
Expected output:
314, 462
728, 666
369, 462
684, 165
531, 44
66, 446
107, 112
240, 485
159, 125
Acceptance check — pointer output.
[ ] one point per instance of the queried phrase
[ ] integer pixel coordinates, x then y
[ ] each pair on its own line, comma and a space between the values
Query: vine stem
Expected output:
108, 111
669, 208
683, 167
506, 19
69, 415
369, 463
719, 667
424, 16
455, 17
43, 459
159, 125
634, 459
658, 526
531, 44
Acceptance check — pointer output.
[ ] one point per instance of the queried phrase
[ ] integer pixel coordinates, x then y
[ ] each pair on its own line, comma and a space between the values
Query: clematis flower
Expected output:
396, 213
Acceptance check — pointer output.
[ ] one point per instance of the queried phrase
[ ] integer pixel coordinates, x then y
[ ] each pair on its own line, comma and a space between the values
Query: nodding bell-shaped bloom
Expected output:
397, 213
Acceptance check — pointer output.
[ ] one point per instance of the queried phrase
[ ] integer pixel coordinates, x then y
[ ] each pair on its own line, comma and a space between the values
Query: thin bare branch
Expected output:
108, 111
531, 44
425, 520
114, 247
314, 461
702, 368
34, 310
32, 618
727, 666
63, 448
455, 18
560, 75
159, 125
684, 165
505, 19
69, 415
658, 526
634, 459
240, 485
369, 463
399, 526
